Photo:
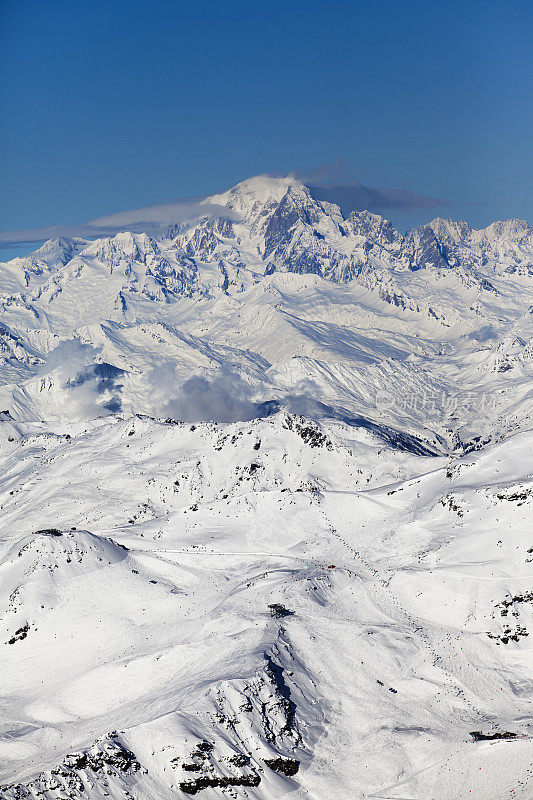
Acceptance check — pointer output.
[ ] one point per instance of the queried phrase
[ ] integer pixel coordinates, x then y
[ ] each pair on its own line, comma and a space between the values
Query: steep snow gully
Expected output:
266, 496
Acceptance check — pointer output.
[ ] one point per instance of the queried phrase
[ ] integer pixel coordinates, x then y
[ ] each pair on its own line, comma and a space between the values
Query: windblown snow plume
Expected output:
266, 494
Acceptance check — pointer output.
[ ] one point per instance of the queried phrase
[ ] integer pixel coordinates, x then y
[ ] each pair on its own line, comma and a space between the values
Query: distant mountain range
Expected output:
281, 289
266, 495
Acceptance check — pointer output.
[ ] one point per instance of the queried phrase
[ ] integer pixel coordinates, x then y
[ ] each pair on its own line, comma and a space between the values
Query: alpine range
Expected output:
266, 508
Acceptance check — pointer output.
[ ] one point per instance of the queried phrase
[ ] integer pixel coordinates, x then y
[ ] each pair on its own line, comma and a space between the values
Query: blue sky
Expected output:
113, 105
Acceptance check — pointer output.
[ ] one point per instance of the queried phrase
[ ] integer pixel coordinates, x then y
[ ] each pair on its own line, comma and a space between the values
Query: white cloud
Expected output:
149, 219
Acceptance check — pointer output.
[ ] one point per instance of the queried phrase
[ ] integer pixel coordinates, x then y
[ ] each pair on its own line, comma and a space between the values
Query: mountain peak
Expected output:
511, 229
455, 229
55, 252
255, 196
261, 187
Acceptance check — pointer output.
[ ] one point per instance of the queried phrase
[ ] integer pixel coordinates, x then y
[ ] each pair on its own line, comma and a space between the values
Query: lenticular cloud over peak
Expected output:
152, 219
149, 219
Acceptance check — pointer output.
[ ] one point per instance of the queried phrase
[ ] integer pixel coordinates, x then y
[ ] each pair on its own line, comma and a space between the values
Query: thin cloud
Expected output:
356, 197
149, 219
334, 182
351, 196
337, 171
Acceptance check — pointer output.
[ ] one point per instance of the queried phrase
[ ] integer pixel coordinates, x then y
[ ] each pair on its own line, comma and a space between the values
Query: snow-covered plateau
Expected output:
266, 491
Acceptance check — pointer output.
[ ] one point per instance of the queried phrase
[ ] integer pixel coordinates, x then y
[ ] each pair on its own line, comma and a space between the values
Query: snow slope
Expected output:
266, 505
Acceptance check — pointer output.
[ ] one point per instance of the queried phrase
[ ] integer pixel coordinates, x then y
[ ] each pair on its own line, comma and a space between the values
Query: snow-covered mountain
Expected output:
266, 508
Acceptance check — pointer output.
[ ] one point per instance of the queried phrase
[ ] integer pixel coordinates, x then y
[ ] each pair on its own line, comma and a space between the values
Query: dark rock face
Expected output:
115, 756
107, 759
284, 697
50, 532
278, 611
422, 250
478, 736
282, 222
511, 605
20, 634
205, 764
308, 432
206, 782
286, 766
